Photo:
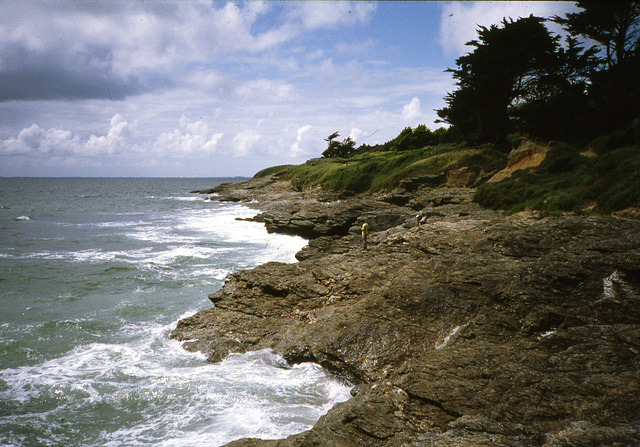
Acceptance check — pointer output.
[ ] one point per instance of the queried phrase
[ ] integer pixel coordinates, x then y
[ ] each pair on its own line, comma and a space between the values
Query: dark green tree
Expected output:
614, 27
416, 138
497, 75
556, 104
339, 149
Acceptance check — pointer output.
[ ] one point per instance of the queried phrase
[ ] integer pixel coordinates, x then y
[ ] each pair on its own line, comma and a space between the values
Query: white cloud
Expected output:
244, 142
192, 138
297, 149
264, 89
111, 142
412, 112
64, 143
356, 133
332, 14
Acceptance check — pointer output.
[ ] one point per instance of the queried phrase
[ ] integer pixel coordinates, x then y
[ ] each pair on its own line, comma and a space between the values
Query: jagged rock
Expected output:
472, 329
413, 183
398, 196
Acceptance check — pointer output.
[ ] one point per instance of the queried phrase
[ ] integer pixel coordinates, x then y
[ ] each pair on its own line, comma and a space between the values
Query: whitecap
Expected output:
223, 224
185, 198
21, 218
180, 397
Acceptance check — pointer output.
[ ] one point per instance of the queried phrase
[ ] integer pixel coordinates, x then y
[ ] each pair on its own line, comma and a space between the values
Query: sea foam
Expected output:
156, 391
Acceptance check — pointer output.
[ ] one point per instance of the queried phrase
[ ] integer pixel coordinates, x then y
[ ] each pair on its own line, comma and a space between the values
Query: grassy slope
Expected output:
566, 181
383, 170
569, 182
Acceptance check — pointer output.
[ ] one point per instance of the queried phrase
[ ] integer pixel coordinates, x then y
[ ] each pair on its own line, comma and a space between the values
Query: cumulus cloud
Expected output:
119, 129
297, 148
413, 111
64, 143
244, 142
192, 138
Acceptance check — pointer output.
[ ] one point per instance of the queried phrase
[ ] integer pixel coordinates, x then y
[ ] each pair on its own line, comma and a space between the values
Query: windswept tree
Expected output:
416, 138
497, 75
614, 27
339, 149
556, 104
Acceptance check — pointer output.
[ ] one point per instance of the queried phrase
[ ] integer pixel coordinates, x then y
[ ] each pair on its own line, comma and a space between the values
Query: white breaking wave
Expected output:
176, 396
86, 325
223, 224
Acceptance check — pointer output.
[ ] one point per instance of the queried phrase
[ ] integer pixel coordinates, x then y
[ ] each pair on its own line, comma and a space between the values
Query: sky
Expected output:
186, 88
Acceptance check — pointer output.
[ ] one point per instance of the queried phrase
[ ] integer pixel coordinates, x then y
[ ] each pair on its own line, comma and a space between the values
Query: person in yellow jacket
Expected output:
365, 232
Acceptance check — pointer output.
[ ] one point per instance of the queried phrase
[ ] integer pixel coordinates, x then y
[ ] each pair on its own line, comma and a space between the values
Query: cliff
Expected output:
472, 329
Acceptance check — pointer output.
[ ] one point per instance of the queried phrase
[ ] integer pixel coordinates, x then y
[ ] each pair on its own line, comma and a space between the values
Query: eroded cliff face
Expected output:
471, 329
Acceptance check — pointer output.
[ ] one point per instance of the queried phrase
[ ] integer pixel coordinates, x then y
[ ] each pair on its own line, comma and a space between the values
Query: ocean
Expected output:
94, 275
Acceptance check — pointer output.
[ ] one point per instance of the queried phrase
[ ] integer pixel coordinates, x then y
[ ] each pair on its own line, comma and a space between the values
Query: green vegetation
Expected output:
519, 83
606, 181
601, 176
376, 171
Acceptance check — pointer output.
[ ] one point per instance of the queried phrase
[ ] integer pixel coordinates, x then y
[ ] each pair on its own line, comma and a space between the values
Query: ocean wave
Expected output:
177, 397
184, 198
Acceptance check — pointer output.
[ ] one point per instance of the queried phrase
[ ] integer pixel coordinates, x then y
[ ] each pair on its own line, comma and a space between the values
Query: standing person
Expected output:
365, 232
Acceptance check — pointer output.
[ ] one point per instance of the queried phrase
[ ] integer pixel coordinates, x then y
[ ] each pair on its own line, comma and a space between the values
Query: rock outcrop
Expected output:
471, 329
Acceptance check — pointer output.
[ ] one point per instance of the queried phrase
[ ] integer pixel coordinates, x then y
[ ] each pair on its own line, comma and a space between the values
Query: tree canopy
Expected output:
521, 78
339, 149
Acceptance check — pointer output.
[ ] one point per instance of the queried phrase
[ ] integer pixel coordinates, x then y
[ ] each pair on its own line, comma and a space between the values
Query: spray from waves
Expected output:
229, 224
150, 390
196, 237
87, 315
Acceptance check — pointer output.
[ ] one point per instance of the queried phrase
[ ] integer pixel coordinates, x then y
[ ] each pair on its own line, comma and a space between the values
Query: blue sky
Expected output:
210, 89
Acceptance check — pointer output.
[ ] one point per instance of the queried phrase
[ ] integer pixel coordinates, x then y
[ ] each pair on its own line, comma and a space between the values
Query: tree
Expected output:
556, 105
614, 26
416, 138
337, 149
500, 72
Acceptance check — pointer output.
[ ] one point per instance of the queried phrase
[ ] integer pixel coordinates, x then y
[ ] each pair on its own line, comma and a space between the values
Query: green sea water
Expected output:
94, 274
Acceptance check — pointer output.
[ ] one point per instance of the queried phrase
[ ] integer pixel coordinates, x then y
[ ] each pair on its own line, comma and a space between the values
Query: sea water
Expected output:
94, 275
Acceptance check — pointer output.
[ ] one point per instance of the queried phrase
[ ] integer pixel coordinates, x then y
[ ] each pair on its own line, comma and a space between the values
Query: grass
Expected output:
565, 181
569, 182
379, 171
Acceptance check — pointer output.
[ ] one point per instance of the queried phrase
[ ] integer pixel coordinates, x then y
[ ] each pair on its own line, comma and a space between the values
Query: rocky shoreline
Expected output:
472, 329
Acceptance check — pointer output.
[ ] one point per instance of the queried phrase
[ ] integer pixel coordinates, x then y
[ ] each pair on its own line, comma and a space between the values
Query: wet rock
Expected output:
471, 329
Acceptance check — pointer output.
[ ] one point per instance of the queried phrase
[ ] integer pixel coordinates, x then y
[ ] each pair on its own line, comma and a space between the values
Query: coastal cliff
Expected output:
474, 328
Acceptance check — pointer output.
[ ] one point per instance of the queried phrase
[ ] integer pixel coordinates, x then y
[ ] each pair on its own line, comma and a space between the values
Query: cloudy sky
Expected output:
211, 89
